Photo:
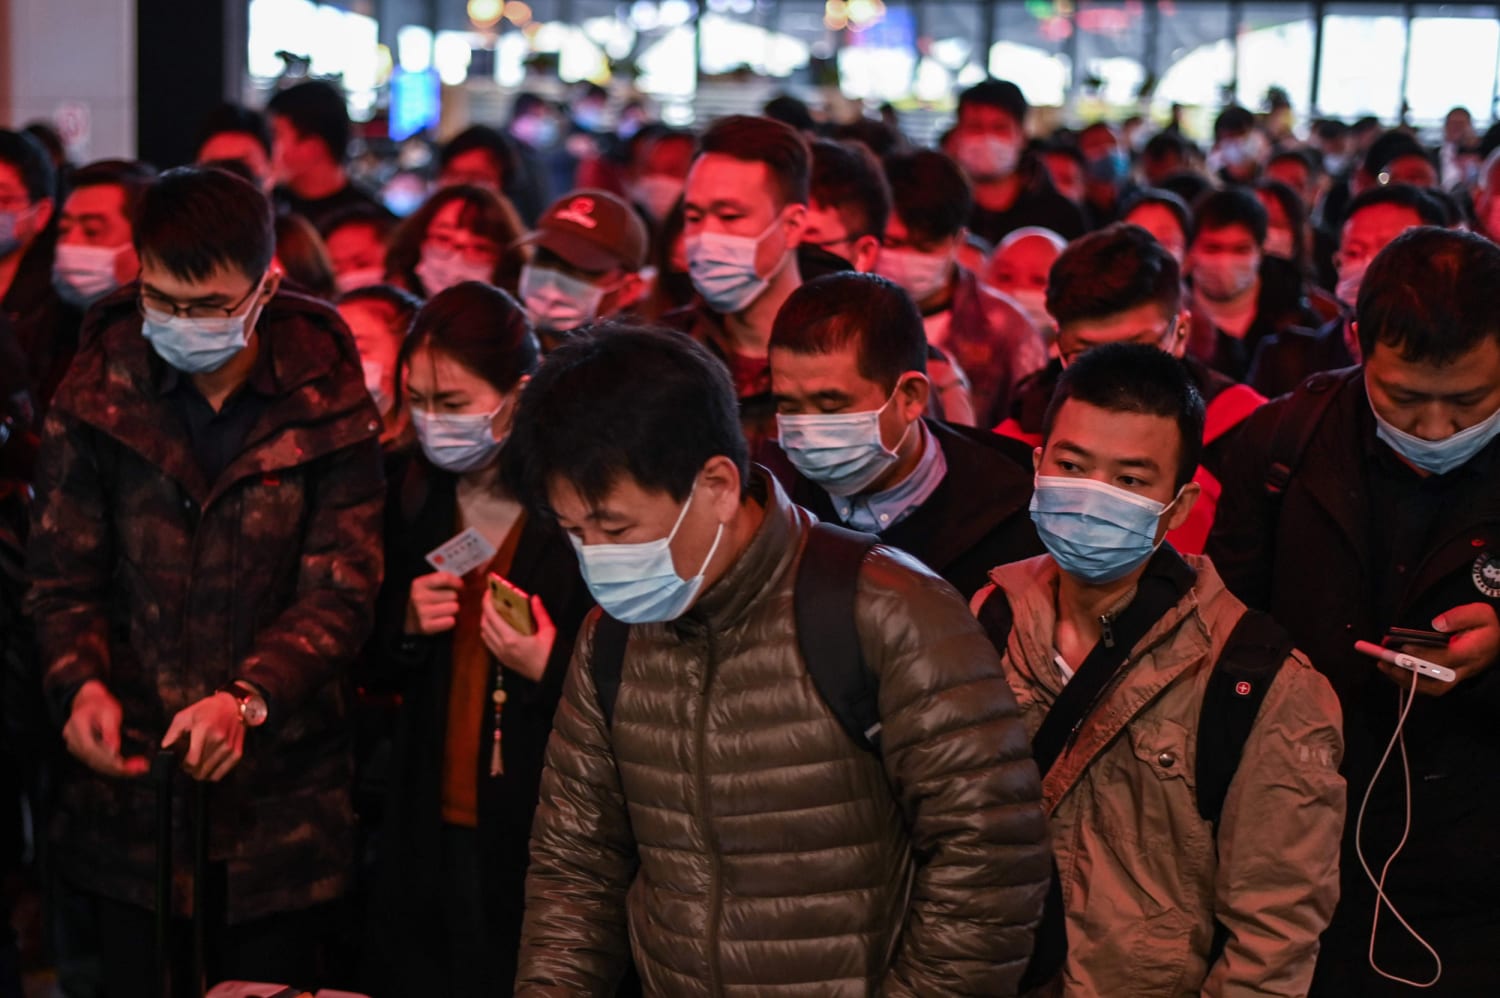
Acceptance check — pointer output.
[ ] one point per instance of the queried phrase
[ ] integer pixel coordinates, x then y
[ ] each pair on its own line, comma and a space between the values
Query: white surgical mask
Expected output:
361, 277
556, 302
657, 193
637, 583
441, 269
1033, 302
1223, 276
921, 275
457, 442
197, 346
84, 274
1438, 456
841, 451
722, 267
374, 372
1351, 276
987, 157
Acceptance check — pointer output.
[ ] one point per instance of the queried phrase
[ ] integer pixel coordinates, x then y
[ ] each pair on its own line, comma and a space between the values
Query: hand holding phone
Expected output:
517, 630
1398, 636
513, 605
1410, 663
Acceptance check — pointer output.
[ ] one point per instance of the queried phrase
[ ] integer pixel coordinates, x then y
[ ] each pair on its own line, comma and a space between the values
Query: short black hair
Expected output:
402, 304
1430, 295
131, 176
1233, 120
1060, 147
847, 178
316, 109
877, 136
776, 144
1391, 146
617, 399
24, 154
1230, 206
235, 119
194, 222
368, 215
1427, 208
490, 141
929, 192
1136, 377
1001, 94
1309, 159
1190, 185
480, 328
1165, 144
791, 111
304, 257
1329, 129
830, 312
1111, 271
1162, 199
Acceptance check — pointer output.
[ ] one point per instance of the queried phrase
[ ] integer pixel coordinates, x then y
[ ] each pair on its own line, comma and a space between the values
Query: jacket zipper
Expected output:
715, 900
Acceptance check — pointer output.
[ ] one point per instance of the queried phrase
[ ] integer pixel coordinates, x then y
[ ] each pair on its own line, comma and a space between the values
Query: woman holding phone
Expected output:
477, 690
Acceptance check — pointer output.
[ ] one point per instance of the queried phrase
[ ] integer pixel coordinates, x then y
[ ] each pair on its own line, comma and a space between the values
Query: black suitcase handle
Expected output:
164, 768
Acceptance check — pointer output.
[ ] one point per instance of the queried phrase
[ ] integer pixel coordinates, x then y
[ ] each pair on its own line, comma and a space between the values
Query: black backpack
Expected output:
827, 637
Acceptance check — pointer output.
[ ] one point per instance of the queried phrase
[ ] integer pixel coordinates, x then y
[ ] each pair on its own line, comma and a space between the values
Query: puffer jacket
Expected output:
750, 847
1144, 877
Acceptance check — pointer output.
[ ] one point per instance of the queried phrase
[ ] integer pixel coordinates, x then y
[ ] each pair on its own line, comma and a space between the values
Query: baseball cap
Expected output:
593, 230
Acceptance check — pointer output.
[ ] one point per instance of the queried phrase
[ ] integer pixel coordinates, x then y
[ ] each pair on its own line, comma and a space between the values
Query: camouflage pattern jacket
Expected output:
166, 586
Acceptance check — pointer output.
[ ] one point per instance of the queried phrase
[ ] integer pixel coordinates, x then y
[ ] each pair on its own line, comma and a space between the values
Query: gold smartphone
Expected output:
513, 605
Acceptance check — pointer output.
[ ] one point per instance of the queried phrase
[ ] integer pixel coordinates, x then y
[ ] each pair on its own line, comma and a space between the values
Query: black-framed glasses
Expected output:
150, 301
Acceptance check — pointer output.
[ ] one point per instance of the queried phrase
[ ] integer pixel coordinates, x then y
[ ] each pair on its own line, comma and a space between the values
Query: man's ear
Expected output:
273, 283
794, 218
866, 252
43, 213
1036, 460
913, 392
1182, 507
1178, 346
720, 479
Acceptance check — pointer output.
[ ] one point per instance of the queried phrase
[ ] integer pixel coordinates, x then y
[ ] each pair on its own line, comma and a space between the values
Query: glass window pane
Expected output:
1363, 46
952, 51
1111, 50
1029, 51
1195, 55
1276, 50
1452, 64
878, 61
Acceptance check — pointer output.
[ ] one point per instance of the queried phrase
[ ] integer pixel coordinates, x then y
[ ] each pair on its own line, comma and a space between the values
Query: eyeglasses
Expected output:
150, 301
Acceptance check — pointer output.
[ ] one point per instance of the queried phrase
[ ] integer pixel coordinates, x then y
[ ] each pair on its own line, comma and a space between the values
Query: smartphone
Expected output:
513, 605
1413, 636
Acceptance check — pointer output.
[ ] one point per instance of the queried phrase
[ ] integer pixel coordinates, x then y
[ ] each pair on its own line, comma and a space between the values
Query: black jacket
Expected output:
976, 519
1284, 360
1309, 559
421, 513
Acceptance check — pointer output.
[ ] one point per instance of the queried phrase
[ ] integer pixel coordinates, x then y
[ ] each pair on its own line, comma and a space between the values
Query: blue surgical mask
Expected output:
557, 302
441, 269
457, 442
722, 267
196, 346
1439, 456
840, 451
1096, 532
636, 583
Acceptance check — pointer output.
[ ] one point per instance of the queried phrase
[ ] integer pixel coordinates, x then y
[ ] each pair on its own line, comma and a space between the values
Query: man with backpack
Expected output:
785, 760
1189, 756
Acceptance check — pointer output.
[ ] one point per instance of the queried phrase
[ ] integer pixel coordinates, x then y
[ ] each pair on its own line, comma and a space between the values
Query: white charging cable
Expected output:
1398, 738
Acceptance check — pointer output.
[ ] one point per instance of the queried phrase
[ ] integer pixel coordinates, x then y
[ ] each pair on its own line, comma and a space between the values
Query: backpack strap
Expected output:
997, 618
1252, 657
827, 633
1299, 421
607, 662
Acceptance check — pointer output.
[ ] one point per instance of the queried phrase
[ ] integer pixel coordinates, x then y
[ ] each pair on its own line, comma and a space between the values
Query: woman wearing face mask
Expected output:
476, 696
461, 233
378, 317
1287, 264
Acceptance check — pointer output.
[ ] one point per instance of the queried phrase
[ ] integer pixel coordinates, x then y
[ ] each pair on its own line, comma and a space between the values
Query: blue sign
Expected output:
416, 102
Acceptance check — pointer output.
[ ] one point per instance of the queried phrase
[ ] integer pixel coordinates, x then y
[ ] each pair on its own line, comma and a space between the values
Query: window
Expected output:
1276, 50
1452, 62
1195, 53
1029, 50
1111, 51
1364, 46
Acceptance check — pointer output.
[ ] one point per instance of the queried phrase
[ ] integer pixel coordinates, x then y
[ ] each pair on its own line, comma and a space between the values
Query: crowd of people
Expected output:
770, 559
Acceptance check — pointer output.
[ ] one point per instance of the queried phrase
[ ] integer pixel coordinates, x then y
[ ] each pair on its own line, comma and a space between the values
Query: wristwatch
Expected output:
252, 702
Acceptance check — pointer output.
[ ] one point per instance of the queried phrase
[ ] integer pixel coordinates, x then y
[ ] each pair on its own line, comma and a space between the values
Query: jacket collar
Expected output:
760, 567
319, 404
1175, 644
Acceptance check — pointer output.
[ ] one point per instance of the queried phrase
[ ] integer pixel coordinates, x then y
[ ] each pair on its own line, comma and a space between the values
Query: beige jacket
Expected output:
750, 847
1144, 877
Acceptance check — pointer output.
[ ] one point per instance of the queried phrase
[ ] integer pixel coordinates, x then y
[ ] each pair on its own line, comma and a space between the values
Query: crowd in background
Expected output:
200, 518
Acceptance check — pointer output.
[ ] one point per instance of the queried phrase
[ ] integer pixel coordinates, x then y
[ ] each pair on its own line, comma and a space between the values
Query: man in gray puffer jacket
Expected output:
723, 829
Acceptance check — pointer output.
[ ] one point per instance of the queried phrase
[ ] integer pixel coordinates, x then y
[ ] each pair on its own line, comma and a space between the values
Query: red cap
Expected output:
594, 230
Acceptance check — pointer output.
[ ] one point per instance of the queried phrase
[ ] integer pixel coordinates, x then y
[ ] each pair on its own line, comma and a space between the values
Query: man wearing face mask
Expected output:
1127, 659
700, 797
310, 131
987, 334
1106, 173
590, 248
205, 553
1119, 285
1240, 148
660, 158
745, 209
1009, 191
1375, 218
42, 327
848, 369
1233, 307
1383, 510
